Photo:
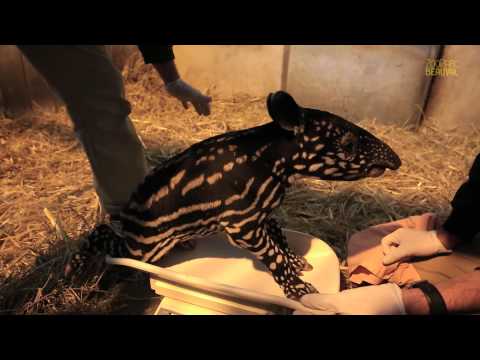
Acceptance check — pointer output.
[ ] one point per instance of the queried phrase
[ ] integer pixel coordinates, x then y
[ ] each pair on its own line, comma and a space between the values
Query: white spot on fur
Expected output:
328, 161
330, 171
229, 166
314, 167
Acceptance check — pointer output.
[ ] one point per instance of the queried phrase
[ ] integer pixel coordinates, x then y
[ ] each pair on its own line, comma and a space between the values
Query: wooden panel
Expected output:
21, 84
2, 106
453, 103
16, 95
41, 93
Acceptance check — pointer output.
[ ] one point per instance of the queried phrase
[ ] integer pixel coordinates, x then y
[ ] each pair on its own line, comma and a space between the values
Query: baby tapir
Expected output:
233, 182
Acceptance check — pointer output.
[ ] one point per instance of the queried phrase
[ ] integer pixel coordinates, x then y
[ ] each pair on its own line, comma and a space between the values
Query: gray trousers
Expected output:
93, 92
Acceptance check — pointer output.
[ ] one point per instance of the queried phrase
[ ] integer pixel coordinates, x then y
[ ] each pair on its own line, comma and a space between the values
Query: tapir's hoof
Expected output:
307, 266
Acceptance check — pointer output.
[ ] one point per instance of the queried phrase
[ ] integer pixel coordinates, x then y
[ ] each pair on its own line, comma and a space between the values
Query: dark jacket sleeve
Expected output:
155, 54
464, 220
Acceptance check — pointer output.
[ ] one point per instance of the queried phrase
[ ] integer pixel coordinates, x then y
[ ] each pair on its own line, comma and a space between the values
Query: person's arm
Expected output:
157, 54
461, 295
461, 226
163, 60
167, 71
463, 223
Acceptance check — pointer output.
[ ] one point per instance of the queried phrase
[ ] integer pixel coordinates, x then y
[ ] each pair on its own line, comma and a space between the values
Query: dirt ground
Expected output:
43, 170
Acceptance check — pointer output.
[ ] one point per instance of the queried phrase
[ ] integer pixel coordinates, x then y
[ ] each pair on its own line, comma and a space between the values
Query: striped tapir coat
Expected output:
233, 182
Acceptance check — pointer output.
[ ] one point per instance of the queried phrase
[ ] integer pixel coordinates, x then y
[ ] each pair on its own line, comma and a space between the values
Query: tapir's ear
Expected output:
283, 110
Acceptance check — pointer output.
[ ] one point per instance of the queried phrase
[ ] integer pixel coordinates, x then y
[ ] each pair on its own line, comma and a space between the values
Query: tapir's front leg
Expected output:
275, 231
276, 259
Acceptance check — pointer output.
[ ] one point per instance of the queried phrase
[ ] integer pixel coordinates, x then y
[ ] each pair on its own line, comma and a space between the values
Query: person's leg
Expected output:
463, 260
92, 89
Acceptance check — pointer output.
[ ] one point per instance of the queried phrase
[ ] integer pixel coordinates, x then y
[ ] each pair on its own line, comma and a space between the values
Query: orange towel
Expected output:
365, 253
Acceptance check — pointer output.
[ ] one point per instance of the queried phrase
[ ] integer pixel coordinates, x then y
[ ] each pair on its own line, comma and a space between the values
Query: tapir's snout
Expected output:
395, 162
383, 158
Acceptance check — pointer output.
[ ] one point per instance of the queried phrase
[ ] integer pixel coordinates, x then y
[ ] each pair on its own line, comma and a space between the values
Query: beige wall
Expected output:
229, 70
386, 82
455, 100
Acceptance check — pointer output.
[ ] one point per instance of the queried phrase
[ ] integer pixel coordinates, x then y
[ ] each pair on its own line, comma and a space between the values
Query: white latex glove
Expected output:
383, 299
185, 93
403, 244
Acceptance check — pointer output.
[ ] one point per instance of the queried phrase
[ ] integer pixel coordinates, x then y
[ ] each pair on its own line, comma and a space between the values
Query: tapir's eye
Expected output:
349, 143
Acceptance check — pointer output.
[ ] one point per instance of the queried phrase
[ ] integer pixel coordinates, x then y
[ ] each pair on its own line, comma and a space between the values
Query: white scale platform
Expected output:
216, 260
